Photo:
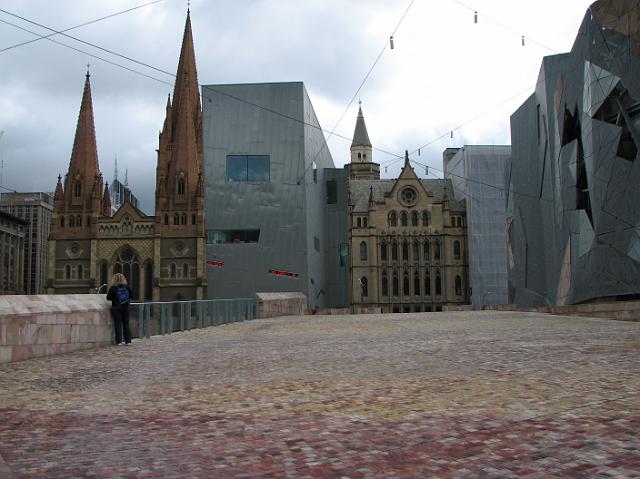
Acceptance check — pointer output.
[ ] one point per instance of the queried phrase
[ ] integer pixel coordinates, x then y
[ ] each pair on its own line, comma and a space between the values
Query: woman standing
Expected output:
120, 296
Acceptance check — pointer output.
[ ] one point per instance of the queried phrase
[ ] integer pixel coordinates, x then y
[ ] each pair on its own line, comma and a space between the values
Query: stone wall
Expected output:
271, 305
44, 325
619, 310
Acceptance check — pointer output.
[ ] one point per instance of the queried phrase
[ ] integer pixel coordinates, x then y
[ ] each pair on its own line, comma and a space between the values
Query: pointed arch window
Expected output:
67, 272
363, 251
456, 249
185, 270
416, 251
383, 251
193, 219
364, 286
416, 283
176, 219
359, 222
426, 250
458, 286
436, 252
438, 284
405, 251
62, 222
394, 251
72, 221
172, 270
103, 267
181, 186
80, 271
393, 219
426, 218
88, 220
395, 283
78, 221
77, 189
405, 283
427, 284
148, 280
385, 284
166, 219
183, 219
404, 219
414, 218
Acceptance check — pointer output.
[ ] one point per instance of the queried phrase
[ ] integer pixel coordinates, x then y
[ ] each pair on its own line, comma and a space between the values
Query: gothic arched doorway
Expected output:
126, 262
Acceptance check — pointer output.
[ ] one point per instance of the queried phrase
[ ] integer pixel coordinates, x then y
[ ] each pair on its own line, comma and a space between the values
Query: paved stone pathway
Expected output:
483, 394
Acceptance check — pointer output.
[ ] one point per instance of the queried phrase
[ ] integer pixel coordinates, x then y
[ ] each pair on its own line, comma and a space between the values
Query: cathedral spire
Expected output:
362, 165
83, 166
360, 135
59, 195
186, 76
106, 201
180, 154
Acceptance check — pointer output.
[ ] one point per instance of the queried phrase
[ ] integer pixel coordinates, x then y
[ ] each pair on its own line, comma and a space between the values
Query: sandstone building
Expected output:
162, 256
408, 245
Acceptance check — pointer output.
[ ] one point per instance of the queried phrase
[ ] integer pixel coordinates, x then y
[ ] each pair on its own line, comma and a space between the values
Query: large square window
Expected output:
248, 168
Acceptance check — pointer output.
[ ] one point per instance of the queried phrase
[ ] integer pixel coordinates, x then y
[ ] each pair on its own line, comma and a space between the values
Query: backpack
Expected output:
122, 293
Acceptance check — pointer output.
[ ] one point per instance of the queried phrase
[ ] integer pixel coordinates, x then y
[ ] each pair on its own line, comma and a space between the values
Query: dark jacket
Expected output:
112, 296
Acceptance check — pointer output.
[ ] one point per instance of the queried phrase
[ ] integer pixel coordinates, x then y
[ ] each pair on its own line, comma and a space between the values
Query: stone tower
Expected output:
179, 209
362, 166
162, 256
79, 202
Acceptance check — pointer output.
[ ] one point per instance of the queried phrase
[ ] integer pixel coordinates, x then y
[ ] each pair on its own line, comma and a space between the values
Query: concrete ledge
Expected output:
271, 305
44, 325
618, 310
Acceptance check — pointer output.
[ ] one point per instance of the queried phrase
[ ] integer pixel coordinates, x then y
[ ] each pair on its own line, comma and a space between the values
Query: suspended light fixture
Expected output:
385, 169
475, 17
418, 151
523, 40
426, 170
391, 41
451, 133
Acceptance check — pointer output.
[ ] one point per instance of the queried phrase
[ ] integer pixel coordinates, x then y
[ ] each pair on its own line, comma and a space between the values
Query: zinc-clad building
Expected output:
266, 197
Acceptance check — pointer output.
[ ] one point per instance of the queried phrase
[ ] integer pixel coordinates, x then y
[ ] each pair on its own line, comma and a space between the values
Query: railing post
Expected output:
216, 313
147, 321
140, 307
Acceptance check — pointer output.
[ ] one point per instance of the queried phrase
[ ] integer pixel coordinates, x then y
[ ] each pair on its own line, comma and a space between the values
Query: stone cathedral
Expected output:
162, 256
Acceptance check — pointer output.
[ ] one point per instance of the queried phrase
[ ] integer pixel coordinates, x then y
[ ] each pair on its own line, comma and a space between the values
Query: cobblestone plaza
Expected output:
481, 394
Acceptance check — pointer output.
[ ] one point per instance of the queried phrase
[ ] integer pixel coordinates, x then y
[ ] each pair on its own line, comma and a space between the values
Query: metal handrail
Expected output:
166, 317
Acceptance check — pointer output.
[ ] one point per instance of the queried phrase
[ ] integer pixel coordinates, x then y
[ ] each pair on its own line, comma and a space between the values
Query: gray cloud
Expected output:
328, 44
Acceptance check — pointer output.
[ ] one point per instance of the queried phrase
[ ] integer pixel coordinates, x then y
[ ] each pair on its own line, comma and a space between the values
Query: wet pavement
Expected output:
469, 394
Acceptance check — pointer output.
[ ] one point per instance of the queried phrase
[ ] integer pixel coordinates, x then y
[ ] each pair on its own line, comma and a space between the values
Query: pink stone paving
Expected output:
461, 395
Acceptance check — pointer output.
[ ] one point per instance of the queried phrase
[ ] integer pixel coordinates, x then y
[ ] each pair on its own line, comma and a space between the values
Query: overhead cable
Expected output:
80, 25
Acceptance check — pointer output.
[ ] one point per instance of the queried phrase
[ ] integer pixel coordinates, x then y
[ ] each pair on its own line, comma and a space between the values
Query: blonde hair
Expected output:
118, 278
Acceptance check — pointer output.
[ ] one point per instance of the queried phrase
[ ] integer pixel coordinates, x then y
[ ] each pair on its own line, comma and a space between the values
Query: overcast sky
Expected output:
443, 71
